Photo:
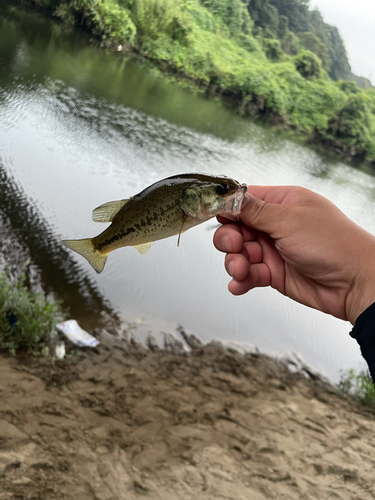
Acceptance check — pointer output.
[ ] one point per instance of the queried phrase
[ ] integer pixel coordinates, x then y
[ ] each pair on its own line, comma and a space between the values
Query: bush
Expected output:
213, 41
349, 87
156, 18
248, 43
113, 22
233, 13
26, 319
353, 118
308, 64
291, 44
178, 30
359, 385
272, 49
65, 13
202, 17
105, 18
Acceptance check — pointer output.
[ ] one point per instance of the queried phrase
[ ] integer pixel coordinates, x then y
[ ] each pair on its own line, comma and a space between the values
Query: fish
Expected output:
167, 208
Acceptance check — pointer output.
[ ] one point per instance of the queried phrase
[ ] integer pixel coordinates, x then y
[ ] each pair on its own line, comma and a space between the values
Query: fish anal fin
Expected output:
107, 211
144, 247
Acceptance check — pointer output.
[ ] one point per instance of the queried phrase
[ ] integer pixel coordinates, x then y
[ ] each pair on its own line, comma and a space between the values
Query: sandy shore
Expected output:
121, 422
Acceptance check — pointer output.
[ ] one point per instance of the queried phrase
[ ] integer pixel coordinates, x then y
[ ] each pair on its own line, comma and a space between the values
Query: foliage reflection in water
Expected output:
82, 127
59, 272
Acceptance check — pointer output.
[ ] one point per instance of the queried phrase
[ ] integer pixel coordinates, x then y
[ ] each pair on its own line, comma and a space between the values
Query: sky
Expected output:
356, 23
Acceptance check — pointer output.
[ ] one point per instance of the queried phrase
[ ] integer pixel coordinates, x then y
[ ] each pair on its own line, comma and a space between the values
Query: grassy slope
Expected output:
187, 38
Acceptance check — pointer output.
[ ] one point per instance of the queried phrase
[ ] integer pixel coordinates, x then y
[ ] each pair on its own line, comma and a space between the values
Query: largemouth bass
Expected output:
167, 208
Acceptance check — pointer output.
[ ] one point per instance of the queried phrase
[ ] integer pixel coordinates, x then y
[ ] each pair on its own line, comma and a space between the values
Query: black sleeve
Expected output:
364, 333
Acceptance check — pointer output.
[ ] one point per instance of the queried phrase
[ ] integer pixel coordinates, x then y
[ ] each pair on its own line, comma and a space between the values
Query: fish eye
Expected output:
222, 189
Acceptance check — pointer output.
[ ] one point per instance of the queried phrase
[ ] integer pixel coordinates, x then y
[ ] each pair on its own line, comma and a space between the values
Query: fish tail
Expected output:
87, 249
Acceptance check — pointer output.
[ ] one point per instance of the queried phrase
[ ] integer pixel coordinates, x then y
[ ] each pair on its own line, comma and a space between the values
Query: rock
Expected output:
10, 431
191, 340
172, 344
151, 343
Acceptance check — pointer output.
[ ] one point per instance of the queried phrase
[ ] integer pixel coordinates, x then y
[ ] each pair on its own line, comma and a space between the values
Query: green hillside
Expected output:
297, 27
271, 56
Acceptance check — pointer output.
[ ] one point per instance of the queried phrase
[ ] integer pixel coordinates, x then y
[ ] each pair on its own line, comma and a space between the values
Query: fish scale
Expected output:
164, 209
159, 216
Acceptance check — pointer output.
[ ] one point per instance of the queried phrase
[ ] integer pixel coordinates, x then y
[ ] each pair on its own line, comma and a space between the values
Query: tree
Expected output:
285, 18
283, 27
291, 44
272, 48
311, 42
296, 11
264, 15
340, 67
233, 13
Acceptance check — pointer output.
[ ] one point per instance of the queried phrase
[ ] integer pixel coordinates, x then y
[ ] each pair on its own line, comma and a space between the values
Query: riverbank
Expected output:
122, 422
189, 41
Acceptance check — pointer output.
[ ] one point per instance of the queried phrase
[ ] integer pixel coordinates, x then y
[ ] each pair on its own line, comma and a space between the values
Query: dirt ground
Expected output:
122, 422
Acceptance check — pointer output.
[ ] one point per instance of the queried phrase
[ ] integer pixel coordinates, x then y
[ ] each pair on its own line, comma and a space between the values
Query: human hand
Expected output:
302, 245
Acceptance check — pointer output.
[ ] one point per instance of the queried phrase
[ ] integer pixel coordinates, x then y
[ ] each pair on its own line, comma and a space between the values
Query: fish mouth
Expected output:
234, 203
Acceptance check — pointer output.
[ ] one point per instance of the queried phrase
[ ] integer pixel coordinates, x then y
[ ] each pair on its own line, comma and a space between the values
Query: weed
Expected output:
26, 319
359, 385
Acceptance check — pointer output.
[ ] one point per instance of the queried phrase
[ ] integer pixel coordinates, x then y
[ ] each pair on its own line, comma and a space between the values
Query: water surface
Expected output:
81, 126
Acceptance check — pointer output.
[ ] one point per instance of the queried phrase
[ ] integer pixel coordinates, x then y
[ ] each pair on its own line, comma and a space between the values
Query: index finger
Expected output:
248, 233
228, 238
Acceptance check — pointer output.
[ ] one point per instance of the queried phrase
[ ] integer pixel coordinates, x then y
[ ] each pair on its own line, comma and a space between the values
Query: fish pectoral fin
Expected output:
107, 211
144, 247
181, 231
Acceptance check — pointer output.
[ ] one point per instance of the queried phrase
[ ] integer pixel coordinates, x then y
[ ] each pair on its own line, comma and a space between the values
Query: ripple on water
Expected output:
74, 145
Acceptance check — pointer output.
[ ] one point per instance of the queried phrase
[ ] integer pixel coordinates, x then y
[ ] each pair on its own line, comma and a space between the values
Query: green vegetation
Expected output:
297, 27
271, 56
361, 81
308, 64
26, 319
359, 385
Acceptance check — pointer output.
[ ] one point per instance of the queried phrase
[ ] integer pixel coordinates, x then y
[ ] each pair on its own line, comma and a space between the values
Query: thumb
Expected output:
262, 215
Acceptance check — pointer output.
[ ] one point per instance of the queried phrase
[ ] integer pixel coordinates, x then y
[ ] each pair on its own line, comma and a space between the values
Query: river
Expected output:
80, 126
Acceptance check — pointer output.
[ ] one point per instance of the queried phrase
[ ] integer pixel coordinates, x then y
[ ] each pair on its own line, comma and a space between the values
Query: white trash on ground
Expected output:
60, 349
76, 334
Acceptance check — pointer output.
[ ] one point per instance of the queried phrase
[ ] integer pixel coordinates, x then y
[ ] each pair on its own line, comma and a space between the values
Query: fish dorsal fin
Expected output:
107, 211
144, 247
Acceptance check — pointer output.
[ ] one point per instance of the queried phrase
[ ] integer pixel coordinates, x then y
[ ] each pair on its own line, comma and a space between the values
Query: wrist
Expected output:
361, 296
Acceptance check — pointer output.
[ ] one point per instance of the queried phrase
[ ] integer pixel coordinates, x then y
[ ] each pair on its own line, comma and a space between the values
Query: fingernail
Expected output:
226, 243
231, 268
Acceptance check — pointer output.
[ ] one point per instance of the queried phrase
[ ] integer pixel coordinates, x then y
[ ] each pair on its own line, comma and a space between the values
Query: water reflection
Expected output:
59, 272
32, 49
83, 127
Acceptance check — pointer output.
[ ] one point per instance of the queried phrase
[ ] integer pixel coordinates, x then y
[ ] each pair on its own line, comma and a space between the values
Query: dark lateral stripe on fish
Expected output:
147, 221
115, 237
157, 212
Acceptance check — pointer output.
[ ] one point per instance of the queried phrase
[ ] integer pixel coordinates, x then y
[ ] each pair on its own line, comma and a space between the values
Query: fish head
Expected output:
217, 196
